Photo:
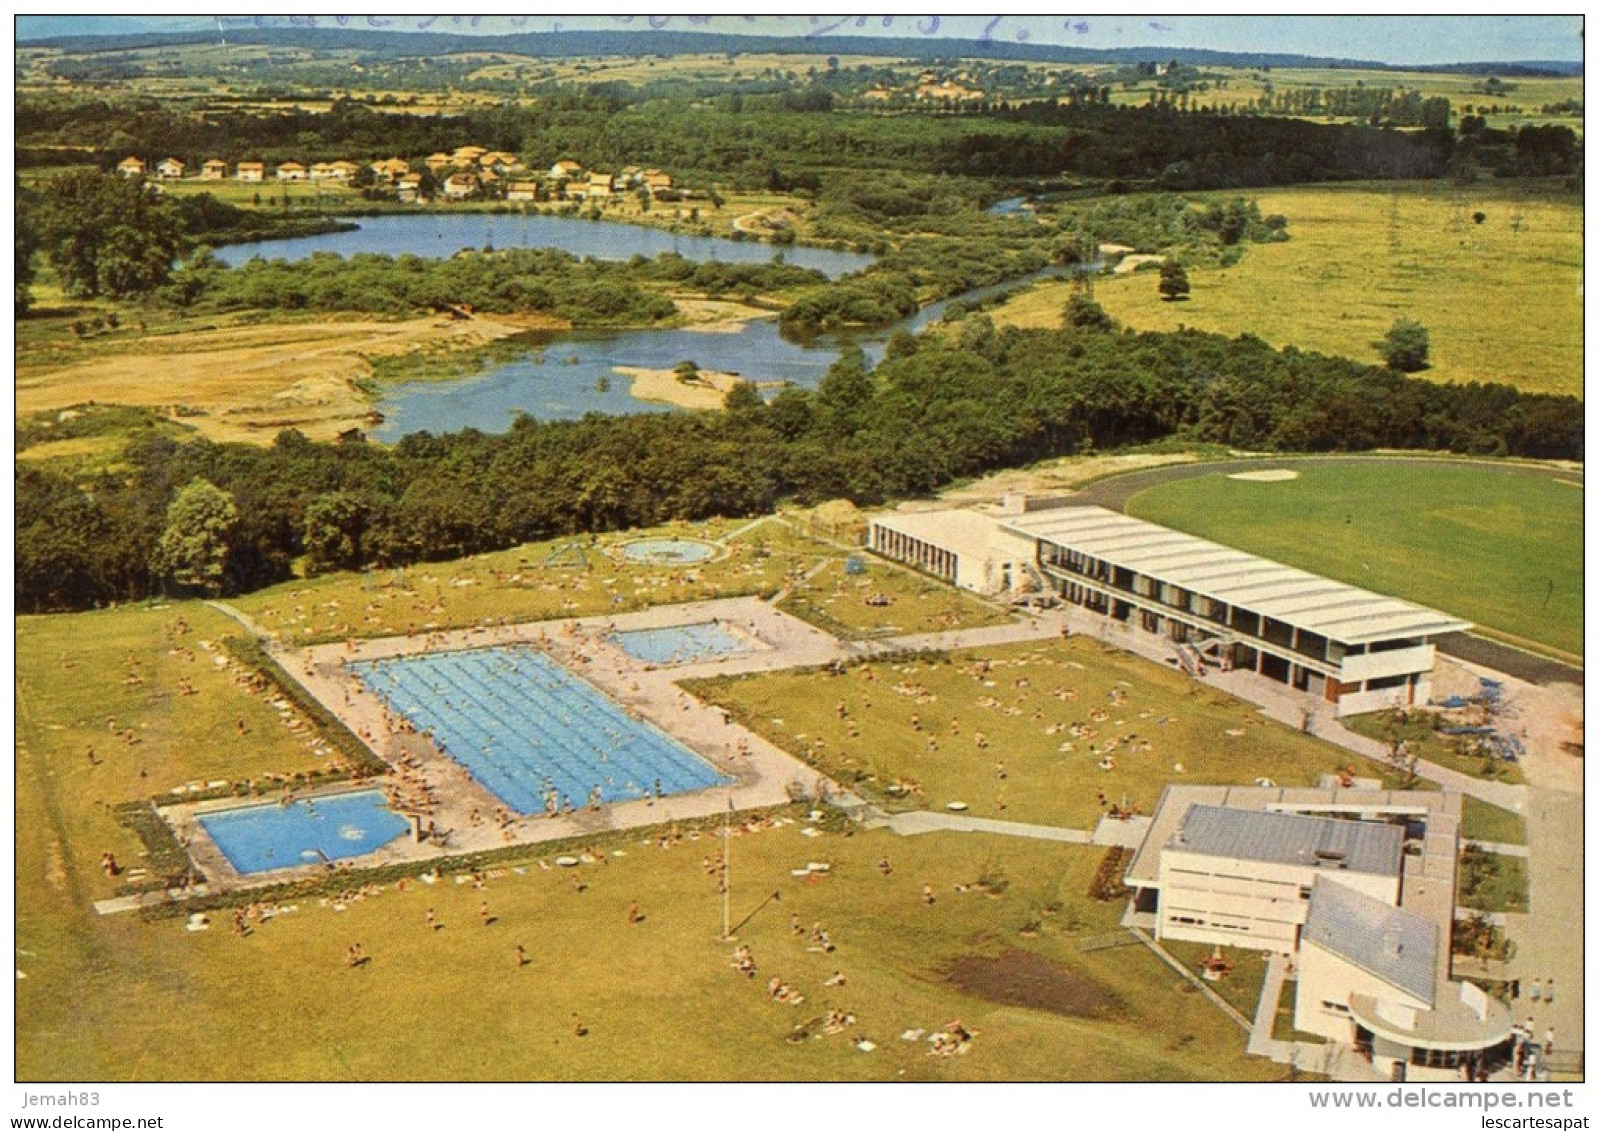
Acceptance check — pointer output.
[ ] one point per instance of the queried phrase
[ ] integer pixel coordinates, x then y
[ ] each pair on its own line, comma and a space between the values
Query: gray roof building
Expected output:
1386, 942
1289, 838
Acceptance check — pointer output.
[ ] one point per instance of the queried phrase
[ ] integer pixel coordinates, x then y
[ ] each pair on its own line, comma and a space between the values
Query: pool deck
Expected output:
762, 774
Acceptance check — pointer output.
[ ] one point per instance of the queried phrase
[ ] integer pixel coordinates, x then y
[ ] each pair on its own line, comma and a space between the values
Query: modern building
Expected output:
215, 169
1355, 649
1354, 886
253, 171
1358, 650
459, 186
963, 547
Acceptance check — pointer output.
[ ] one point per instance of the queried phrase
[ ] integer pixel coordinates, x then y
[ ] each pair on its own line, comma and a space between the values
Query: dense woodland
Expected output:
967, 400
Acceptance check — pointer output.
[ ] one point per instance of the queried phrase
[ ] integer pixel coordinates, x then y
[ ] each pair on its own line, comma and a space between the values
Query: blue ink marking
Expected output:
820, 31
988, 32
1023, 35
930, 27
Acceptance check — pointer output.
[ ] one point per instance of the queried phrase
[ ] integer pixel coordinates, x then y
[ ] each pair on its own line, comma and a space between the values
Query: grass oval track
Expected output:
1494, 544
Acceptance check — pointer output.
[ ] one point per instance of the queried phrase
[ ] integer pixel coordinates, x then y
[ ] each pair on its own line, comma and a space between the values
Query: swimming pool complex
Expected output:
260, 838
668, 551
680, 644
532, 733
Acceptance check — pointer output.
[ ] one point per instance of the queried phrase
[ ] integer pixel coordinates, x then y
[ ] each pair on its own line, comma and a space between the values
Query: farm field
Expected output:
1501, 548
991, 729
1359, 257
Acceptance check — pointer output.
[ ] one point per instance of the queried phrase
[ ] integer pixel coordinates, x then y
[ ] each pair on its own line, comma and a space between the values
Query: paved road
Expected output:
1115, 492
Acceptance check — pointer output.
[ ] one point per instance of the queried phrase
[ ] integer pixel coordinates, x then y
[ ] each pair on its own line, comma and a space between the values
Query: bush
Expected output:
1404, 347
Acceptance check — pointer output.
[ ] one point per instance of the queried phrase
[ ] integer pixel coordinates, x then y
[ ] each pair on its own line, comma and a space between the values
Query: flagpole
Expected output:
727, 869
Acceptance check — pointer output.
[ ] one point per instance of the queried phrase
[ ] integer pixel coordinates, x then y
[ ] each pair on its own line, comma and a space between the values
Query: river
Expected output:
566, 375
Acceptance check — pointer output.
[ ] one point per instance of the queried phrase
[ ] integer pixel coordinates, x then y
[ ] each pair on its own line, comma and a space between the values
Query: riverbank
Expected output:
250, 382
707, 389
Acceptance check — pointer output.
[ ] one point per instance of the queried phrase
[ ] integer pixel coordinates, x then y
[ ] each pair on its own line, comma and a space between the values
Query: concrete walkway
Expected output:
920, 821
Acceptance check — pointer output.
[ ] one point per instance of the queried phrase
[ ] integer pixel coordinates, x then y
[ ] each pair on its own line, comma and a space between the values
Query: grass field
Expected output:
837, 602
1481, 820
1454, 752
990, 728
118, 997
1359, 257
1497, 546
522, 584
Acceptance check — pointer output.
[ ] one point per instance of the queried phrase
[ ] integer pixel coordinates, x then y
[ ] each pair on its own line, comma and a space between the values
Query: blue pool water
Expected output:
680, 644
528, 730
668, 551
259, 838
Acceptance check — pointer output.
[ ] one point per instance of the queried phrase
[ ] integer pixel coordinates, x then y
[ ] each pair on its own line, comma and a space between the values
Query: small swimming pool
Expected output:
314, 830
532, 733
668, 551
680, 644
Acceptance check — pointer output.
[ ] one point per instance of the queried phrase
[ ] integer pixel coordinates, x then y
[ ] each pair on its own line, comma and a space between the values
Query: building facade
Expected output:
1354, 887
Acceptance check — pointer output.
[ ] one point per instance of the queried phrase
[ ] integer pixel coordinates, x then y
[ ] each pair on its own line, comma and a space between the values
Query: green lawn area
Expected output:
524, 584
1496, 545
1360, 256
1491, 882
837, 602
1483, 820
1453, 752
919, 721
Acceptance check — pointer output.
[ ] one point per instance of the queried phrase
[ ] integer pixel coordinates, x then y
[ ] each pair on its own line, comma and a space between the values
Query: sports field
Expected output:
1501, 300
1501, 547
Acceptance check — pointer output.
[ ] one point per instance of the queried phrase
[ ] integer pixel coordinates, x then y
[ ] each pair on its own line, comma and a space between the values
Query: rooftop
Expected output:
1441, 811
1295, 597
1391, 944
1372, 847
966, 533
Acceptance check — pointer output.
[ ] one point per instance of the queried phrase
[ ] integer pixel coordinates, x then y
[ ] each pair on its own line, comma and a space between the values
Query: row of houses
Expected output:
476, 170
173, 168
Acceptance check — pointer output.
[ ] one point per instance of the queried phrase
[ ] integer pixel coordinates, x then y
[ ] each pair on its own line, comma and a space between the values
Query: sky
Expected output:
1387, 39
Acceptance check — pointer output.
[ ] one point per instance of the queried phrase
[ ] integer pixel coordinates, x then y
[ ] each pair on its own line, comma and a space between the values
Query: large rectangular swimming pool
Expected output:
262, 838
532, 733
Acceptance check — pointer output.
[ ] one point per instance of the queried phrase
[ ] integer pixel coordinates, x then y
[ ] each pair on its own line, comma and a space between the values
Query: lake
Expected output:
566, 375
440, 235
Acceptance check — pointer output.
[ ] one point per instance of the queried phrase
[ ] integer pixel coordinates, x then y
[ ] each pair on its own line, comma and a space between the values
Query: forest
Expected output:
964, 400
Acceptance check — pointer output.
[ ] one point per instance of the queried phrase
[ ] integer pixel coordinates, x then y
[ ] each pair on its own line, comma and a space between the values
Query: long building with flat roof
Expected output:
1359, 650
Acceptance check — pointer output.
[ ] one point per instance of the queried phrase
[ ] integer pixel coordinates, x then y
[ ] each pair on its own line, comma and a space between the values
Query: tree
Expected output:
1404, 347
1173, 281
1083, 312
26, 243
108, 235
194, 546
334, 524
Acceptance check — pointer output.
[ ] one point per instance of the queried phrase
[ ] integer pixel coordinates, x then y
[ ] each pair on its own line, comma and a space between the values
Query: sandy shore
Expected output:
709, 388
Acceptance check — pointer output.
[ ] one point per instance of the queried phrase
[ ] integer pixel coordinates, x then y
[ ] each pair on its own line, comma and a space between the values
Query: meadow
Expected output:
1501, 299
1496, 545
991, 729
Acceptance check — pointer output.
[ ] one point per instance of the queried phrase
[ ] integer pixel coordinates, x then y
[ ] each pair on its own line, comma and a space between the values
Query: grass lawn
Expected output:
517, 584
1359, 257
1020, 700
119, 997
1491, 882
75, 694
836, 602
1495, 545
1483, 820
1450, 751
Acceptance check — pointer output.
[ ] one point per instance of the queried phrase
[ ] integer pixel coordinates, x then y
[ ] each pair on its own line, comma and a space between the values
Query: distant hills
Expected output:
120, 33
